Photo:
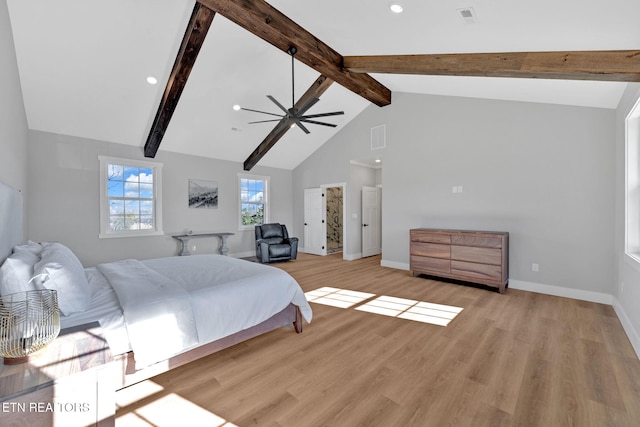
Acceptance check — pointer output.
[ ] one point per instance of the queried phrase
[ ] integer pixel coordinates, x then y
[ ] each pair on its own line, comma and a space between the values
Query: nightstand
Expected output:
70, 384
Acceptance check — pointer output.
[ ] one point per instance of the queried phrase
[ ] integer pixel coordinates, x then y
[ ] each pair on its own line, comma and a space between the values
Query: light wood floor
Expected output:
517, 359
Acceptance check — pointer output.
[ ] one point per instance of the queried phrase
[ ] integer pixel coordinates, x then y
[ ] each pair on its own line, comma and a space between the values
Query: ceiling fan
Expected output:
293, 116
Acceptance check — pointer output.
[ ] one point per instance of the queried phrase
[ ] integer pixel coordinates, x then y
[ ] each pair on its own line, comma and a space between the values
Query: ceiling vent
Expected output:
378, 137
468, 15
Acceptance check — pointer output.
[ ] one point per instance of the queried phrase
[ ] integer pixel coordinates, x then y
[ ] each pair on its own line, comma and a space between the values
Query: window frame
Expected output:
156, 230
265, 201
632, 185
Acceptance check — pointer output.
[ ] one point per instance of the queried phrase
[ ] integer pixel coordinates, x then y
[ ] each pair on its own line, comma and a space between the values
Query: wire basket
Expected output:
29, 321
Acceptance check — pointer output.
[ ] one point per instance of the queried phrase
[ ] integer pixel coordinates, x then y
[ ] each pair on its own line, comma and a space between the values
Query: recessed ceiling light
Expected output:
396, 8
152, 80
378, 161
236, 107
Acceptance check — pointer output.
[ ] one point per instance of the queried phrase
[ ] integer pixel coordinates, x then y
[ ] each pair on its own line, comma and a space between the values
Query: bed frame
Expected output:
290, 316
11, 234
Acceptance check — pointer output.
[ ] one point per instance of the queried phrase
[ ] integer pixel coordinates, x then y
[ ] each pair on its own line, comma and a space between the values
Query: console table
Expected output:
184, 239
71, 383
471, 256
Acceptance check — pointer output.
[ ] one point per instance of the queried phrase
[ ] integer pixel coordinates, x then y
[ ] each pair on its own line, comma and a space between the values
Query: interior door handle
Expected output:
365, 225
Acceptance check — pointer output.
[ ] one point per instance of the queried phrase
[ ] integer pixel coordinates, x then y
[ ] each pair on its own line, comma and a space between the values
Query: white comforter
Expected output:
173, 304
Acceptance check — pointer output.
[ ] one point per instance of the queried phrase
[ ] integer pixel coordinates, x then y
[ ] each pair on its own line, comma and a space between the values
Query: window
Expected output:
632, 155
130, 198
254, 208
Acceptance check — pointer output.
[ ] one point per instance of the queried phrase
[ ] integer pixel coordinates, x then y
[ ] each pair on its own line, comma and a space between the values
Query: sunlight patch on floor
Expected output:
402, 308
335, 297
419, 311
162, 410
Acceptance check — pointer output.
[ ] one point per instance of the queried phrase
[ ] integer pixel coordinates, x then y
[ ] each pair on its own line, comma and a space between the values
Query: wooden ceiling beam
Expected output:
266, 22
613, 65
318, 87
194, 36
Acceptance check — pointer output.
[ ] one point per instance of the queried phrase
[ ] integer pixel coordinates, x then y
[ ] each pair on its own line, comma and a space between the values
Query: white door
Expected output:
314, 231
371, 227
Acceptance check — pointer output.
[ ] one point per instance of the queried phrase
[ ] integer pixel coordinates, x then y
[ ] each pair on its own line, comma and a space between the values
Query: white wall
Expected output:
544, 173
13, 121
64, 199
627, 298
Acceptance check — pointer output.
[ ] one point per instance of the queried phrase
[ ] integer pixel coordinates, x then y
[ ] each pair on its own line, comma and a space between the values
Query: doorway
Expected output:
334, 199
324, 221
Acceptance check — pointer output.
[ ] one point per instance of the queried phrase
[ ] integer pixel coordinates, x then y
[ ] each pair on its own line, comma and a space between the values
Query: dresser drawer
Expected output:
477, 254
480, 240
434, 250
476, 271
428, 237
426, 265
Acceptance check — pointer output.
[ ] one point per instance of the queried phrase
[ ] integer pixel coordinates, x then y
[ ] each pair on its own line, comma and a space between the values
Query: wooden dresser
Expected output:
472, 256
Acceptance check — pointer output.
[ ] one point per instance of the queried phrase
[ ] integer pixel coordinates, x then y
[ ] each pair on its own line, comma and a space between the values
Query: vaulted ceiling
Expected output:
83, 65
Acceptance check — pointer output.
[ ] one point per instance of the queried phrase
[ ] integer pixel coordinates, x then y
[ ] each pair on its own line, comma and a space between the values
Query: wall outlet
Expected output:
535, 267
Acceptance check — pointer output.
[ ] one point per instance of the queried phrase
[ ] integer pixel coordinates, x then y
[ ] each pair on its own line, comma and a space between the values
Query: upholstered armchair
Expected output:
274, 244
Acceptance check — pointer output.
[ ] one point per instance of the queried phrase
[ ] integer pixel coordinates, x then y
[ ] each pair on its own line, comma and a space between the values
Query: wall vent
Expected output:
468, 15
378, 137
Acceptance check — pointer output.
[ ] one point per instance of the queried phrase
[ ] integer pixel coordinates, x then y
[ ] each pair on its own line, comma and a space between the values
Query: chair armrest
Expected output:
264, 251
293, 241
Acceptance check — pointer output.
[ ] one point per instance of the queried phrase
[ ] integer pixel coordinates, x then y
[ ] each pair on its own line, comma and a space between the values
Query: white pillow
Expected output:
16, 273
60, 269
33, 247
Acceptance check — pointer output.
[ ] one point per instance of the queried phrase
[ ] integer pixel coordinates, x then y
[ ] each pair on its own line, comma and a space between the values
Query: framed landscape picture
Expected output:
203, 194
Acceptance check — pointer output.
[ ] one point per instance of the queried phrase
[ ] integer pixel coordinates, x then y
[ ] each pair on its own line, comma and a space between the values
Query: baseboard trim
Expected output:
394, 264
559, 291
243, 254
351, 257
632, 333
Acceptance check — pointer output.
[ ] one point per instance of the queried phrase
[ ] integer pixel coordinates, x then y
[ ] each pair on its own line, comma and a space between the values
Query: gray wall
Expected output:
544, 173
64, 199
13, 121
627, 299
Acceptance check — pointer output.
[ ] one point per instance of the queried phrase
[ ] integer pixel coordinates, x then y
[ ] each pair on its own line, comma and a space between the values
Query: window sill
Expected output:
633, 260
130, 234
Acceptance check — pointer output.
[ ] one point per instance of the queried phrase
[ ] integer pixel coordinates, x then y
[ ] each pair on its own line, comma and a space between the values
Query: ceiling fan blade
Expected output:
263, 112
313, 116
302, 119
307, 106
278, 104
300, 125
265, 121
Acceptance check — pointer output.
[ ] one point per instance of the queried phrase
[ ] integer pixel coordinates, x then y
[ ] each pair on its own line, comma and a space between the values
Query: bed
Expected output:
155, 314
